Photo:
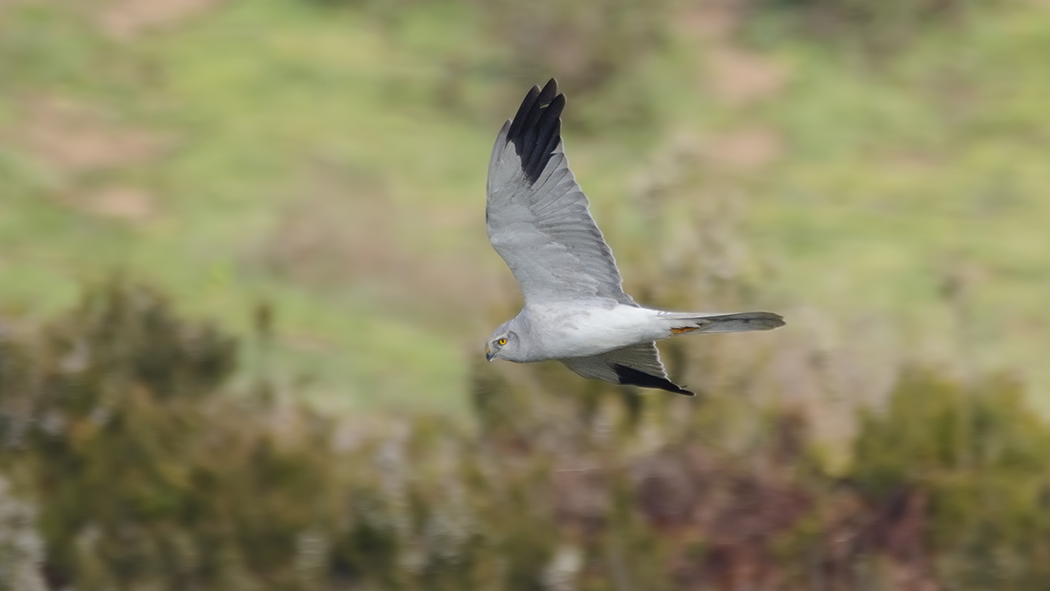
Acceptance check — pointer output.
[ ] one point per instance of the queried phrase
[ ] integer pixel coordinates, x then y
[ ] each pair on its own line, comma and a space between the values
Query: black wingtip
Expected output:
632, 377
536, 128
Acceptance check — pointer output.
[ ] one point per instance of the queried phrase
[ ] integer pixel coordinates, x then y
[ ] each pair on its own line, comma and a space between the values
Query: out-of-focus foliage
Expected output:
977, 461
140, 474
593, 48
585, 44
21, 547
140, 483
882, 25
329, 157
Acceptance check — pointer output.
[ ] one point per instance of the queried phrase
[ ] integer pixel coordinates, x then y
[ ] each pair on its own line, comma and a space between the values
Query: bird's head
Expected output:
502, 344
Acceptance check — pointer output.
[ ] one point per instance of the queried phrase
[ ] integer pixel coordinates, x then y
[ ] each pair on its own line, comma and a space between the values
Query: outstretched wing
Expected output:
636, 365
536, 214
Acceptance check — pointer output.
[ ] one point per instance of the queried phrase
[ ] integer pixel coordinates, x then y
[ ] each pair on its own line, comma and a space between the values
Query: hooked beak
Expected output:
488, 353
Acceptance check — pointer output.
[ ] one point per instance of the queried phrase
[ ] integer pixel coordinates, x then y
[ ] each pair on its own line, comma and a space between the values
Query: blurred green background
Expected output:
884, 169
308, 176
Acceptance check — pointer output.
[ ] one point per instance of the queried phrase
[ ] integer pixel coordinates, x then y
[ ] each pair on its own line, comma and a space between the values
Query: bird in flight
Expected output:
575, 308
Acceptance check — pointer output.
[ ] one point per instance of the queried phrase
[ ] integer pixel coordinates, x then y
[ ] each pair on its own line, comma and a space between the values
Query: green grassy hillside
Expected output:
328, 159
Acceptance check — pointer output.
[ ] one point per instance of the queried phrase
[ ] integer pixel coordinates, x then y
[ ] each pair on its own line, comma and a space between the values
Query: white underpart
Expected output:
581, 329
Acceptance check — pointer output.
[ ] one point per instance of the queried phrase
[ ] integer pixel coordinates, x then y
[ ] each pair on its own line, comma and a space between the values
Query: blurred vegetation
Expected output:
586, 43
303, 171
974, 457
121, 469
877, 26
328, 158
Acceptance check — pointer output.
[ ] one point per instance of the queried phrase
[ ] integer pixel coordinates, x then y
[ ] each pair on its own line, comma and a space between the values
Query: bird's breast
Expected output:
584, 329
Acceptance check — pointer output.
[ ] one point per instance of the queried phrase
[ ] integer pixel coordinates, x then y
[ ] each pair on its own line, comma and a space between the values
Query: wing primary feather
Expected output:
523, 110
547, 128
632, 377
548, 94
555, 139
535, 130
536, 110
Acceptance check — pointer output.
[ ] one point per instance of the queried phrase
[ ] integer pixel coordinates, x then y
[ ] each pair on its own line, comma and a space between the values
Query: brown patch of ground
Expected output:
735, 75
127, 19
912, 162
743, 150
128, 204
74, 138
324, 240
349, 231
712, 19
739, 77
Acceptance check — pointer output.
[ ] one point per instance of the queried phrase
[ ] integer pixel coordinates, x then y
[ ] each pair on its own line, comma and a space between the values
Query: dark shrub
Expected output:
146, 472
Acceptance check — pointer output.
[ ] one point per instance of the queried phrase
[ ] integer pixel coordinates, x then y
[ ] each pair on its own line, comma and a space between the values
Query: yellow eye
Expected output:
501, 342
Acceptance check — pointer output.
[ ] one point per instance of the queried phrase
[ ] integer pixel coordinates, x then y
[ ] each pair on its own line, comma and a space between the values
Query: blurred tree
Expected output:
115, 424
981, 460
21, 548
109, 420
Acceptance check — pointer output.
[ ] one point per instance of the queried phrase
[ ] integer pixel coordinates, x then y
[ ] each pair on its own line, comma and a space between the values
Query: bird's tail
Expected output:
685, 322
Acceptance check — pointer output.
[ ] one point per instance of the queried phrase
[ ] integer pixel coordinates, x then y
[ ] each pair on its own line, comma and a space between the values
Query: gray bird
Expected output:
575, 309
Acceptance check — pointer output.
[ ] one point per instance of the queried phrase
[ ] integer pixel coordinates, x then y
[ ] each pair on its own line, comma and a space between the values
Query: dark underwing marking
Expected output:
536, 129
632, 377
